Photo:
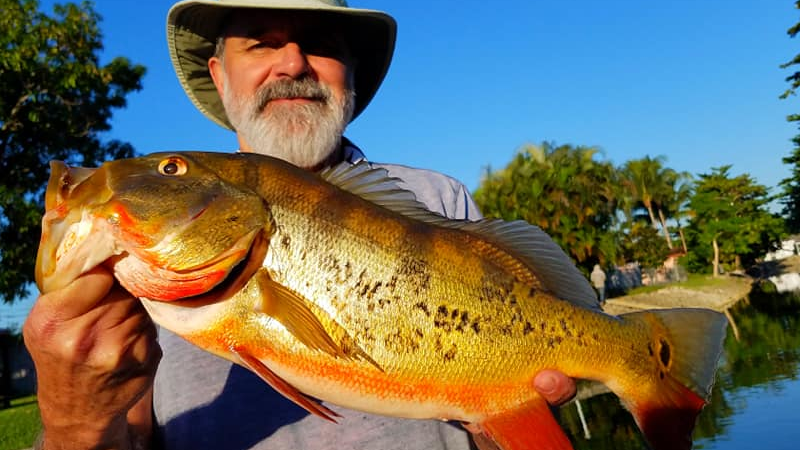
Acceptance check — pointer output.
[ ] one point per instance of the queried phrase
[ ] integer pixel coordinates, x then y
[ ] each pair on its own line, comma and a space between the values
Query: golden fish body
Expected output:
364, 299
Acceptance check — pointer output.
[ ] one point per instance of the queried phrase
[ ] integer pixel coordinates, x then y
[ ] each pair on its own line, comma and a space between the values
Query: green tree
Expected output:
564, 191
790, 197
652, 187
676, 202
56, 101
643, 244
730, 223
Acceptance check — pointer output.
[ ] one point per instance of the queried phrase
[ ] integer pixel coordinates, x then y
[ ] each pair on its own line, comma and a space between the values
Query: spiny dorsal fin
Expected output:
519, 239
373, 184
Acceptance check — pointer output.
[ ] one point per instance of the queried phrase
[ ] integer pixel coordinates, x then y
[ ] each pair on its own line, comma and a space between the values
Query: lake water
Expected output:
755, 403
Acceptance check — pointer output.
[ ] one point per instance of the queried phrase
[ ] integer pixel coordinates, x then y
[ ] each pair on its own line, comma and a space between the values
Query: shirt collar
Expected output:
352, 154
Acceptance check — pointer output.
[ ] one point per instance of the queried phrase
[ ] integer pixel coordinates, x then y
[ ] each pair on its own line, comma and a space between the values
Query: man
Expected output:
287, 76
598, 278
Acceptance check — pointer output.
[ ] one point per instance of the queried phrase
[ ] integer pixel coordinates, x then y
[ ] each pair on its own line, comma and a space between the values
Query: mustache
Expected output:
290, 88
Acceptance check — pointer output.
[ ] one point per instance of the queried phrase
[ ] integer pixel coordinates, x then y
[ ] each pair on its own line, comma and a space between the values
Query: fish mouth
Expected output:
234, 281
65, 252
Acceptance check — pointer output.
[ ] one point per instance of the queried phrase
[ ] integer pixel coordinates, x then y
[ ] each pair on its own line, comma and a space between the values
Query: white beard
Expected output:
305, 135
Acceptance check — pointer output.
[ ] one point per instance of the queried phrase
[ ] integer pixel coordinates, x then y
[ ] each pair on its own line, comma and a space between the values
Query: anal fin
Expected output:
280, 385
530, 427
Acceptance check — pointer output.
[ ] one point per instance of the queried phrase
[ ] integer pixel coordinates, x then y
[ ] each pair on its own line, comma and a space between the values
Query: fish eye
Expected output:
172, 166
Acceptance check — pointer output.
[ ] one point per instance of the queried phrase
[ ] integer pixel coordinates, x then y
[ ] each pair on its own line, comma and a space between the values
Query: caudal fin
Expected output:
684, 350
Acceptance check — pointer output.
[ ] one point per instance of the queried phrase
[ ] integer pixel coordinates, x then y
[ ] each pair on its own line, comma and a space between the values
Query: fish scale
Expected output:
341, 287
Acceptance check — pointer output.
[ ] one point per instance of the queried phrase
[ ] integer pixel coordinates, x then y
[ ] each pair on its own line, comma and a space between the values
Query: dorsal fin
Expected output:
527, 243
373, 184
539, 252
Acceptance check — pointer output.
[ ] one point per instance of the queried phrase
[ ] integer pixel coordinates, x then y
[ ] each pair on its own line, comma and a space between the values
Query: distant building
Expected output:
789, 247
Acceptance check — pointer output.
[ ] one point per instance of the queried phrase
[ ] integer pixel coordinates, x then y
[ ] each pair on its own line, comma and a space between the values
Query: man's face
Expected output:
286, 83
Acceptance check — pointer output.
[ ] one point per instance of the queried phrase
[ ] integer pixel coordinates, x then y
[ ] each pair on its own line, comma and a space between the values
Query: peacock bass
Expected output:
340, 286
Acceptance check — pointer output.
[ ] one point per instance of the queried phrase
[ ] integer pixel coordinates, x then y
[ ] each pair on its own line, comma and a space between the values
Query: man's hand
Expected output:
95, 352
554, 386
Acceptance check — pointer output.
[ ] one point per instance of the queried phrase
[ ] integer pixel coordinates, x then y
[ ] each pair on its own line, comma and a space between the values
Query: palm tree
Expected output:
649, 184
675, 204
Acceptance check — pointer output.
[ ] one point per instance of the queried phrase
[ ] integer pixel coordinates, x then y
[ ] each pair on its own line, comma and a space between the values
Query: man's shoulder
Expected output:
422, 176
439, 192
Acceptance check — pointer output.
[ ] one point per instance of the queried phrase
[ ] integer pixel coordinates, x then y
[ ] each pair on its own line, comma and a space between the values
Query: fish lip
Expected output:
236, 279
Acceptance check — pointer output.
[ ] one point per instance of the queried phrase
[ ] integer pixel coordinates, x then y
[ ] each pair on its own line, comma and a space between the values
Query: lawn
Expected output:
693, 281
19, 424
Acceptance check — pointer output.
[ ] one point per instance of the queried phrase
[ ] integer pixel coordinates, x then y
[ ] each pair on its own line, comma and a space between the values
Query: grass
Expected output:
19, 424
694, 281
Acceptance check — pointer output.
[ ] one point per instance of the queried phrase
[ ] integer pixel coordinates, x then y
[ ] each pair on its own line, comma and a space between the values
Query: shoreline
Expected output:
718, 295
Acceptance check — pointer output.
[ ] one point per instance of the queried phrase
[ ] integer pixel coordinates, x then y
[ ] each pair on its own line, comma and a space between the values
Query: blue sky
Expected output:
696, 81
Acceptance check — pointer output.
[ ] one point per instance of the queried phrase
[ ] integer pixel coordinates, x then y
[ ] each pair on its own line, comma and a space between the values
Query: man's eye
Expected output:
323, 47
266, 44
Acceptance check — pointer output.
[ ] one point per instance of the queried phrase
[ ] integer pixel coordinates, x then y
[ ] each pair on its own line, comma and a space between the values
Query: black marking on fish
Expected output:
528, 329
417, 272
665, 352
441, 319
423, 307
402, 342
463, 321
476, 327
450, 354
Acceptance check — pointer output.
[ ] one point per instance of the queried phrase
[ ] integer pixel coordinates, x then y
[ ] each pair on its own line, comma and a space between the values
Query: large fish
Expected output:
341, 287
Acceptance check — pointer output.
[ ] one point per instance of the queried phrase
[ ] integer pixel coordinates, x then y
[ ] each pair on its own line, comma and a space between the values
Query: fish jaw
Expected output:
143, 276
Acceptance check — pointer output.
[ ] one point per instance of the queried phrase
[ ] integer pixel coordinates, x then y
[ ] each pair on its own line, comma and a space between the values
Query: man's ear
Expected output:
217, 70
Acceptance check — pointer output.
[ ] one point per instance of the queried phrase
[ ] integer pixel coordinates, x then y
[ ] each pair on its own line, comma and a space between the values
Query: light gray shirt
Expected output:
205, 402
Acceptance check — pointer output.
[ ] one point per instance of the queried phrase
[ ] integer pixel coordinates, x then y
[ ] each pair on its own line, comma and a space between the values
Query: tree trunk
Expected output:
649, 206
716, 257
683, 239
664, 228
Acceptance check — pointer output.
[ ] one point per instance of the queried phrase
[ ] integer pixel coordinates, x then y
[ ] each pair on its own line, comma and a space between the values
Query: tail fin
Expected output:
685, 347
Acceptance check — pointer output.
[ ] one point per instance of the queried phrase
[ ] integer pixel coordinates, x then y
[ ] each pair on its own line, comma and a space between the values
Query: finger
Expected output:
554, 386
78, 297
126, 341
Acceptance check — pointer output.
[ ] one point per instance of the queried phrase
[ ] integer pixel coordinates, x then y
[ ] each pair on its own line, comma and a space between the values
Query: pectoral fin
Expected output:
294, 313
283, 387
531, 427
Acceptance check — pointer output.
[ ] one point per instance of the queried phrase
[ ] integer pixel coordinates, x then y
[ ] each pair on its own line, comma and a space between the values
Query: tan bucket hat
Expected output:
194, 25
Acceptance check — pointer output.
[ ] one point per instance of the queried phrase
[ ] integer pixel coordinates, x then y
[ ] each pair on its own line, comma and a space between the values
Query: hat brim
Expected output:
194, 25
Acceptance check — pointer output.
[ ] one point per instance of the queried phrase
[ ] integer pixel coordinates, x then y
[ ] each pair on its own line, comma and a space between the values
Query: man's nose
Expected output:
292, 61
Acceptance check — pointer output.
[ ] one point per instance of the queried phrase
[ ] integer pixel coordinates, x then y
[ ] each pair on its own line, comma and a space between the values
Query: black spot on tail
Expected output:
665, 352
